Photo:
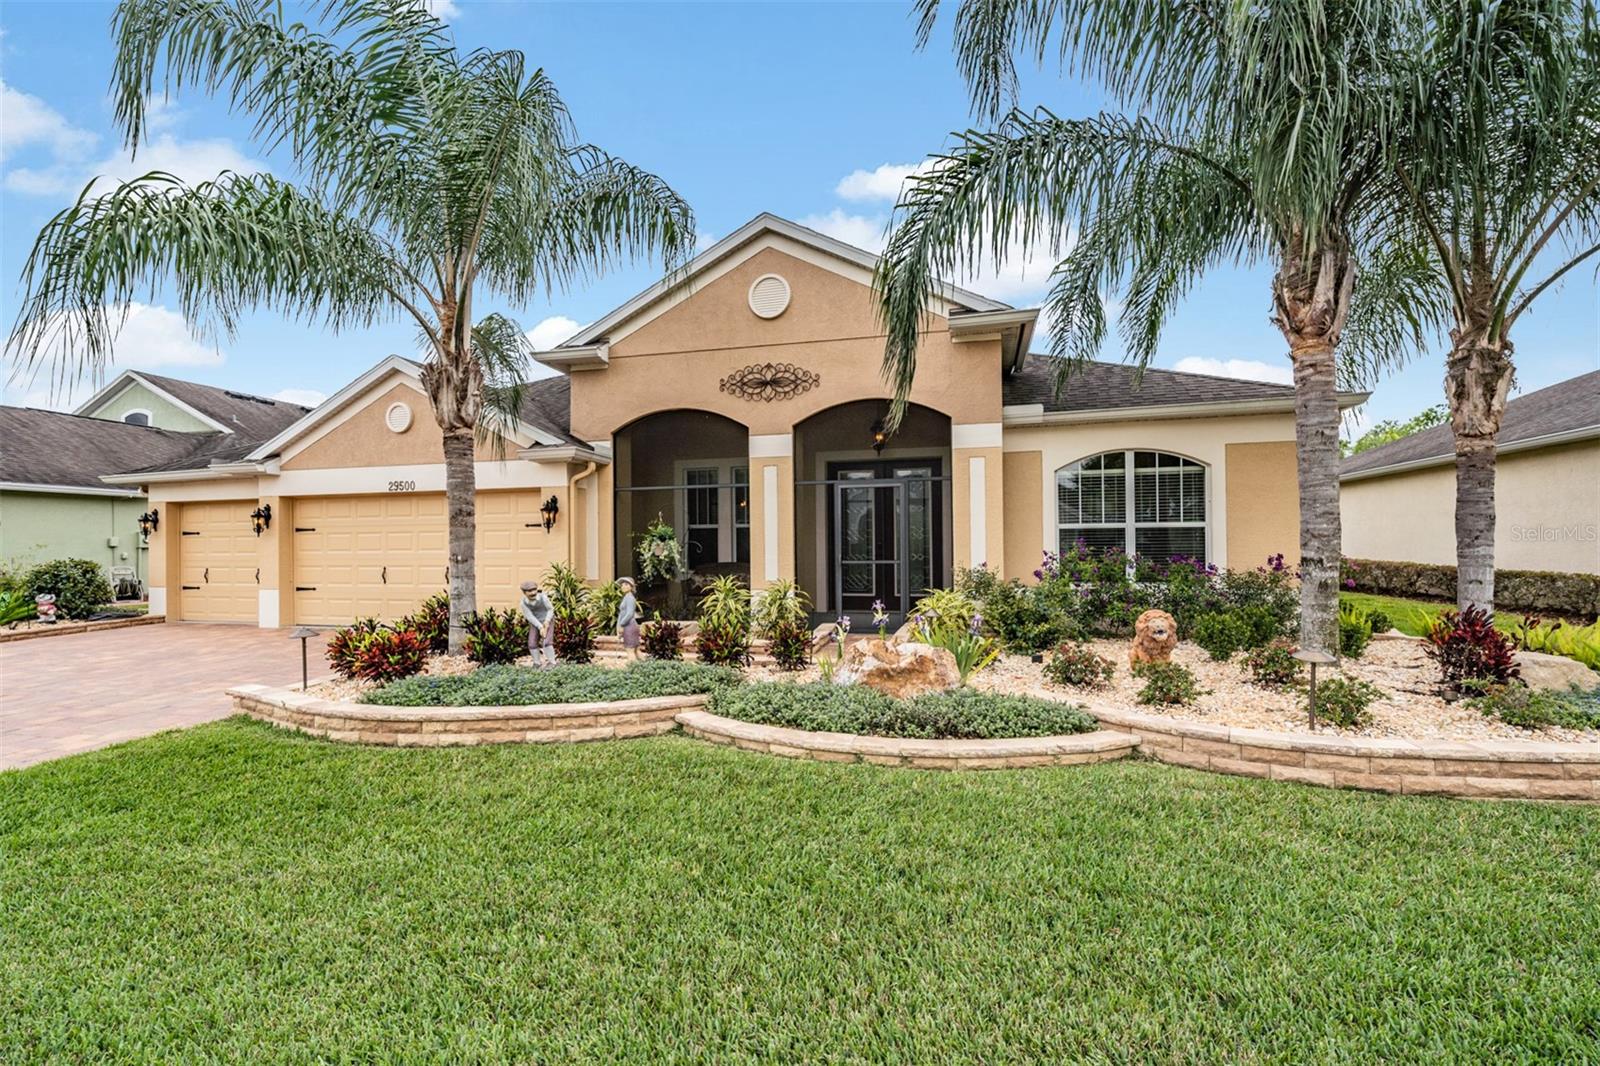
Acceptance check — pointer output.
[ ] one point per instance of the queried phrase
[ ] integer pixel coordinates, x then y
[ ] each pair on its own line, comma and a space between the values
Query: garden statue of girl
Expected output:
541, 616
628, 618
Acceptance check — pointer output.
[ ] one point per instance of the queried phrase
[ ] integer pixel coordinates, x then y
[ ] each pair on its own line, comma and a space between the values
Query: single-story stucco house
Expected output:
1398, 500
53, 503
741, 402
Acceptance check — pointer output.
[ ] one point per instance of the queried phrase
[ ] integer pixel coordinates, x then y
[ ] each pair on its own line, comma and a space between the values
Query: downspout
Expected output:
572, 502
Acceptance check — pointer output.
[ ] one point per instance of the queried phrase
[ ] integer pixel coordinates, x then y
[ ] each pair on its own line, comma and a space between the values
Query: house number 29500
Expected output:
402, 486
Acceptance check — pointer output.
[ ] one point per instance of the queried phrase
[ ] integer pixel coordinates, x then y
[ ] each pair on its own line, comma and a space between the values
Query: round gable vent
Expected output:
769, 296
397, 418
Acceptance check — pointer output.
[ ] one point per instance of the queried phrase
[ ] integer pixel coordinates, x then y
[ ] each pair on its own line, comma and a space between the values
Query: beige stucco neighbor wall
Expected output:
1547, 503
1264, 512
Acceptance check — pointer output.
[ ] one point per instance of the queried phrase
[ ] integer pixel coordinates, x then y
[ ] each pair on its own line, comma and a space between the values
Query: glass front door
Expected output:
885, 534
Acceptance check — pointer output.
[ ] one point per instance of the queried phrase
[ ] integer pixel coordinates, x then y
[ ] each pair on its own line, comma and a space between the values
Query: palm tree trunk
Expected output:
1477, 381
461, 490
1316, 434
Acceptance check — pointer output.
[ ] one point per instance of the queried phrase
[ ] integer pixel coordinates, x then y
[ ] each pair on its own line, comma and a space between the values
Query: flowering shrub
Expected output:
1468, 647
1343, 701
1274, 665
496, 636
662, 639
390, 654
344, 647
431, 621
1220, 634
1078, 665
1167, 683
660, 555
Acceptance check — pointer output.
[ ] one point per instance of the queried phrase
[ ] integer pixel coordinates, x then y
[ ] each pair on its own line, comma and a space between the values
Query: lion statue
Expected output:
1155, 634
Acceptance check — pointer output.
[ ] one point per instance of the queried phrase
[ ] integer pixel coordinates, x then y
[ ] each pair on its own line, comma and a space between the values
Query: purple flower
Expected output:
843, 623
976, 627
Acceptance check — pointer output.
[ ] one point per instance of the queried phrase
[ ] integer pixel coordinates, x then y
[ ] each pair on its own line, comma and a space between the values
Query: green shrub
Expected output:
1380, 621
1265, 597
569, 596
1343, 701
1077, 665
662, 639
1355, 631
431, 621
79, 586
344, 647
1274, 665
725, 623
1527, 708
781, 604
510, 686
971, 650
603, 604
961, 713
1018, 617
790, 645
1539, 591
1468, 647
496, 635
1221, 635
390, 654
944, 609
572, 637
16, 606
1167, 683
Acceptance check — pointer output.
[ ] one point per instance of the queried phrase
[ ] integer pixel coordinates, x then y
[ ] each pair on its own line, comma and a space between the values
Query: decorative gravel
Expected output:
1398, 667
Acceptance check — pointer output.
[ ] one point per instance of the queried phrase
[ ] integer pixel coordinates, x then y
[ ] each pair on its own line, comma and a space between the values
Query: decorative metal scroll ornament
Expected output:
769, 381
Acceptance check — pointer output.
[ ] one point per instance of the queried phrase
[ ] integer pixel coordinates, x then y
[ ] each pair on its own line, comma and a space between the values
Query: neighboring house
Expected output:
53, 503
742, 403
1398, 500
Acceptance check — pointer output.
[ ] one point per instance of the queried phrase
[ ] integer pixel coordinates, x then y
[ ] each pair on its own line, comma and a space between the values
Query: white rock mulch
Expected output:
1410, 708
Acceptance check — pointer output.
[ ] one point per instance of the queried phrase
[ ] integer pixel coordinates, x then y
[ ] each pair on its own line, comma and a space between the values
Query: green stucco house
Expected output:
53, 504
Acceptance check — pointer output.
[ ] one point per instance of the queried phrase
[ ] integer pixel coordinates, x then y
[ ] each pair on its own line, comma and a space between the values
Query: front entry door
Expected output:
885, 534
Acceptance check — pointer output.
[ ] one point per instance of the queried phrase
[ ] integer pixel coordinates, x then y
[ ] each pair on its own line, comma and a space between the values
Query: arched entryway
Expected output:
872, 513
690, 469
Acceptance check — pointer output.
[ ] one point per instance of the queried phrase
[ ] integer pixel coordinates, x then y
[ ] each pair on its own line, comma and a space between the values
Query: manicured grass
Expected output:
1413, 617
236, 893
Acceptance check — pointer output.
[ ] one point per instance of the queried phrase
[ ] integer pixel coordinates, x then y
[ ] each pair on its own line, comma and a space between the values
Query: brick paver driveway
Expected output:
65, 694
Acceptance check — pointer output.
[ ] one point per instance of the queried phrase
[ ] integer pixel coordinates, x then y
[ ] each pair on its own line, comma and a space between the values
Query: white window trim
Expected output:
1130, 526
149, 416
725, 507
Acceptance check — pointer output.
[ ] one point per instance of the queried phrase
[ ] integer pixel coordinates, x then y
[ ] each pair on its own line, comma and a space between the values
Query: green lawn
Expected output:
235, 893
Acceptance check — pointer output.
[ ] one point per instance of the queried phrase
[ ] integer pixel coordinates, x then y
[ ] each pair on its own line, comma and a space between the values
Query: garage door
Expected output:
381, 556
361, 556
217, 563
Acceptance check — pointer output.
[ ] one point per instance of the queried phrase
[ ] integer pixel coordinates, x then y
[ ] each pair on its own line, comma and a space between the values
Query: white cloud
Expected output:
1249, 369
303, 397
703, 240
861, 231
444, 10
882, 183
191, 161
150, 337
27, 121
552, 331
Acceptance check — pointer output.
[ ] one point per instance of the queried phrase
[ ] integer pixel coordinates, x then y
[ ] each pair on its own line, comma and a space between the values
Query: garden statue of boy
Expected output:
541, 616
628, 618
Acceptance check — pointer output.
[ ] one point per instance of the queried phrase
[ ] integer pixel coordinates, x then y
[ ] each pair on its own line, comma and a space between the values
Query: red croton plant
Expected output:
1468, 647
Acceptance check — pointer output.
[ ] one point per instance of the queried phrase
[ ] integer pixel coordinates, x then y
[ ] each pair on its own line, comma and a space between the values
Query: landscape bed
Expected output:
671, 900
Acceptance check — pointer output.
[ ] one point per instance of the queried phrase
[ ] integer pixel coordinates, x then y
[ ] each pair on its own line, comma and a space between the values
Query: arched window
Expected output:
137, 417
1149, 503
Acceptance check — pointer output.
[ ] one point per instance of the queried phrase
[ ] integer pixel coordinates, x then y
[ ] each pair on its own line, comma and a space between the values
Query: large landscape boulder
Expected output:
898, 669
1554, 673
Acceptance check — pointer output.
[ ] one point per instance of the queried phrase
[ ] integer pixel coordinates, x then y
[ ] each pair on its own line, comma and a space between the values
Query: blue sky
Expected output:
811, 111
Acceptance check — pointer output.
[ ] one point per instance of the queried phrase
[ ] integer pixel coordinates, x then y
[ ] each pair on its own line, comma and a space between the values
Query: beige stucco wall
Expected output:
1206, 440
362, 439
830, 329
1547, 504
1263, 502
1024, 516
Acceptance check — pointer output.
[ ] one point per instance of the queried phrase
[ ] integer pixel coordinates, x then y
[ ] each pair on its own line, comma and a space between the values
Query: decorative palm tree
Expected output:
1494, 198
425, 177
1272, 136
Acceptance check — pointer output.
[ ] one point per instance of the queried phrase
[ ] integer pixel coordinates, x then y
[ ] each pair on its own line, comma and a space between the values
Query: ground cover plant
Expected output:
961, 713
1528, 708
277, 897
496, 686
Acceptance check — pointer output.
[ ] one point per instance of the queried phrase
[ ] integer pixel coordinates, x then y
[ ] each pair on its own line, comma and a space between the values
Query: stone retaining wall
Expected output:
441, 726
1012, 753
62, 629
1503, 769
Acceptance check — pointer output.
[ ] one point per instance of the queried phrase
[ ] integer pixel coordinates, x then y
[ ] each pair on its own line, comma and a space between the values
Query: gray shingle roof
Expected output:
52, 448
250, 416
547, 404
1565, 407
1110, 387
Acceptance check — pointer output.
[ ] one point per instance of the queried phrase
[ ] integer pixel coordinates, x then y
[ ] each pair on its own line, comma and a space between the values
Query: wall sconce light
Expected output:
548, 511
150, 521
261, 518
880, 436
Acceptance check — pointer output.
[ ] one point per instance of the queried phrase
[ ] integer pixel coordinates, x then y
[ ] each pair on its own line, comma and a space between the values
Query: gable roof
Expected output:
53, 449
547, 403
225, 410
762, 225
1566, 411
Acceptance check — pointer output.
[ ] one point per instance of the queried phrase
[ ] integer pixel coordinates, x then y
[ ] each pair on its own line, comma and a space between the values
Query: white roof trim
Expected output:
202, 473
566, 453
1566, 436
127, 379
336, 403
66, 490
761, 224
